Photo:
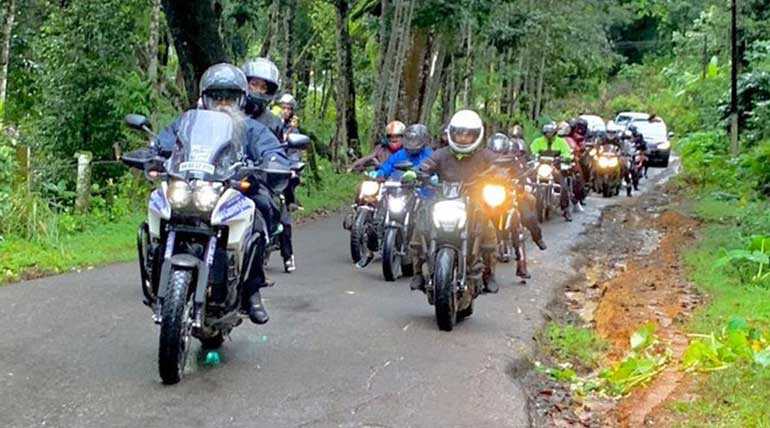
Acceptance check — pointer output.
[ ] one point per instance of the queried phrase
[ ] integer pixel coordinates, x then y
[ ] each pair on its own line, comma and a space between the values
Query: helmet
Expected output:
223, 81
264, 69
564, 129
499, 143
466, 131
549, 130
517, 131
633, 130
581, 126
416, 138
518, 147
288, 99
395, 128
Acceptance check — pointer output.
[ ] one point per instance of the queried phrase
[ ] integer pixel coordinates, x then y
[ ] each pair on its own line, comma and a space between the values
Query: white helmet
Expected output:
288, 99
465, 131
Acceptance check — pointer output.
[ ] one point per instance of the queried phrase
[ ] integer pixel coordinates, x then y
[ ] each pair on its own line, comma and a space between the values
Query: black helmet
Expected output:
519, 147
581, 126
223, 82
265, 70
416, 138
499, 143
634, 130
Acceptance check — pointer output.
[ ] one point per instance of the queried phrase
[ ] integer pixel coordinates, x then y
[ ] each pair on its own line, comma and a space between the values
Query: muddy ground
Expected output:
631, 273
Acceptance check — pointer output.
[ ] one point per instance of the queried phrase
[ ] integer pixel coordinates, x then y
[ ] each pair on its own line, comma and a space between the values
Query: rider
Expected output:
416, 149
637, 139
463, 160
264, 82
551, 142
290, 121
578, 185
381, 153
224, 88
515, 149
289, 125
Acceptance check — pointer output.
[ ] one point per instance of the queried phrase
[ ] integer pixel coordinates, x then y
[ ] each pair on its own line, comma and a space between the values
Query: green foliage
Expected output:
580, 347
739, 342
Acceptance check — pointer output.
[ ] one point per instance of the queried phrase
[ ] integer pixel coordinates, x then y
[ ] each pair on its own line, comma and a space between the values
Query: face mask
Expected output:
394, 147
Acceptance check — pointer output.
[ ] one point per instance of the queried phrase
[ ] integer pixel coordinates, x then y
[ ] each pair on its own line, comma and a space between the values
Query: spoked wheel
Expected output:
444, 278
175, 329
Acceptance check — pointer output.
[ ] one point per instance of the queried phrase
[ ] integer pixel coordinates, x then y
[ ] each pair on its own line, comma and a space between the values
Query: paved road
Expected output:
343, 349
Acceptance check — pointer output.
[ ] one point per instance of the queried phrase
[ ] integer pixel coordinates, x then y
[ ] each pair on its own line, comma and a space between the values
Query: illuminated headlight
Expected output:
592, 153
605, 162
369, 189
494, 195
206, 195
179, 194
449, 215
545, 171
397, 204
664, 145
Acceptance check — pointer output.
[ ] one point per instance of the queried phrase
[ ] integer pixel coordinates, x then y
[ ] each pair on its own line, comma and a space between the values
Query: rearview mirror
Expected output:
671, 134
138, 122
298, 141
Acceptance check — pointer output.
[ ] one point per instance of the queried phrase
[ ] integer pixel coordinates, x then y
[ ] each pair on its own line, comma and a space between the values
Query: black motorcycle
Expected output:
400, 201
608, 169
365, 222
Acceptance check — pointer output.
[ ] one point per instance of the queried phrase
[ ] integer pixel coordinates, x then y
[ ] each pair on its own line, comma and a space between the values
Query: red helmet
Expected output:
395, 133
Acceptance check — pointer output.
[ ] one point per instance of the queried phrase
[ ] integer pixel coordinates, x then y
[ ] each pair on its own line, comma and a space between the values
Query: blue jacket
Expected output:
260, 142
388, 168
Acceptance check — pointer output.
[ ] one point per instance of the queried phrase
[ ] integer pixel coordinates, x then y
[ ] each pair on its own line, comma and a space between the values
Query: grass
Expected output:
580, 347
113, 242
736, 397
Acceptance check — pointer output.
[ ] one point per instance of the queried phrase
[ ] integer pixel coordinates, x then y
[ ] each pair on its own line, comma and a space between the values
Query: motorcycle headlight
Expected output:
493, 194
545, 171
592, 153
604, 162
449, 215
397, 204
179, 194
613, 162
369, 189
664, 145
206, 195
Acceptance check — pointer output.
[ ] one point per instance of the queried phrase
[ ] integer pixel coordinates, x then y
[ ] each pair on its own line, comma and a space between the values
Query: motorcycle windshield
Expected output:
206, 147
451, 190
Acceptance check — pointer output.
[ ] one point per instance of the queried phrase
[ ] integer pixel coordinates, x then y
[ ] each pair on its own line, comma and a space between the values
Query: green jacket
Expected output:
559, 144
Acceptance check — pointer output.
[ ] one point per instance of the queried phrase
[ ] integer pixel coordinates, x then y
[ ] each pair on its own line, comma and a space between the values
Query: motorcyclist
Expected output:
290, 125
224, 88
515, 150
264, 82
290, 121
551, 142
637, 139
416, 149
463, 160
395, 133
578, 184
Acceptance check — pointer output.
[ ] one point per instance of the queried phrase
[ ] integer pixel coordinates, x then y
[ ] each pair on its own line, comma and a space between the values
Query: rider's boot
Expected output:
418, 282
289, 265
490, 284
567, 215
257, 312
521, 269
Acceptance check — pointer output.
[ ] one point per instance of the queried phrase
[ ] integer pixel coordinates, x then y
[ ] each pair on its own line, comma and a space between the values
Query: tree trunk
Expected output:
404, 38
10, 17
347, 125
415, 77
449, 92
540, 78
435, 78
272, 23
468, 72
152, 67
194, 25
288, 33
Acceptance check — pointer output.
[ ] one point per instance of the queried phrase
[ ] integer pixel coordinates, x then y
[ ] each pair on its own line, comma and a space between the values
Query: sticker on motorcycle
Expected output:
196, 166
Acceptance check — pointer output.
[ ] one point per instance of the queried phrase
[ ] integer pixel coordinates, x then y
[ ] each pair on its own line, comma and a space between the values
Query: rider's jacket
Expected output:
558, 144
388, 168
379, 155
464, 168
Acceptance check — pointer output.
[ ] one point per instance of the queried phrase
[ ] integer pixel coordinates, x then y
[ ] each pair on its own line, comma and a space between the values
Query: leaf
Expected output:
644, 337
763, 358
760, 243
737, 324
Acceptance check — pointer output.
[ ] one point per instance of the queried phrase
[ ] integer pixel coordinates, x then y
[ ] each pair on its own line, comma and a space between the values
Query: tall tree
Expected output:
347, 125
10, 16
194, 25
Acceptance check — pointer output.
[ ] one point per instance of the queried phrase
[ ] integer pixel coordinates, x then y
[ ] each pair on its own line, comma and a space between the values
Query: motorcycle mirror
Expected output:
671, 134
138, 122
403, 166
298, 141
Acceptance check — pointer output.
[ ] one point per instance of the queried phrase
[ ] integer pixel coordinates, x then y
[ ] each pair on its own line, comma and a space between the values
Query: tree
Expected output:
347, 125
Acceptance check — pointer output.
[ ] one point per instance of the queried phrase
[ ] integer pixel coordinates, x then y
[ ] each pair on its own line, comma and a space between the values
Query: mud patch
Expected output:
631, 274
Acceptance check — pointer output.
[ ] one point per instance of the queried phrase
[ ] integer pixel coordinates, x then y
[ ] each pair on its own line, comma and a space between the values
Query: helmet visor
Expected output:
221, 97
464, 136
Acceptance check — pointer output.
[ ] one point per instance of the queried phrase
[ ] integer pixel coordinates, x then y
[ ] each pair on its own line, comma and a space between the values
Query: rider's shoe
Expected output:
521, 272
567, 215
490, 285
578, 208
418, 282
540, 243
257, 312
288, 265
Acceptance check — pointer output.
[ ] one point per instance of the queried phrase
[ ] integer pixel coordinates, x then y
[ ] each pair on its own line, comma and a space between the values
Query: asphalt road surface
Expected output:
343, 348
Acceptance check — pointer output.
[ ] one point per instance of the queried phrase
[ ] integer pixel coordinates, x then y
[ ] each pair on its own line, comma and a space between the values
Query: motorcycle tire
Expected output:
628, 190
358, 237
444, 289
391, 259
606, 190
175, 328
541, 208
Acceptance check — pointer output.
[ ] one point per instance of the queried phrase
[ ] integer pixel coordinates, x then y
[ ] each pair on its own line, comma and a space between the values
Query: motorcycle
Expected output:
279, 199
365, 222
607, 170
511, 233
545, 186
197, 245
399, 201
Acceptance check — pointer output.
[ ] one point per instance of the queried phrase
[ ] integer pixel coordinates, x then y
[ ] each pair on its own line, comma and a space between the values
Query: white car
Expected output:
627, 117
595, 123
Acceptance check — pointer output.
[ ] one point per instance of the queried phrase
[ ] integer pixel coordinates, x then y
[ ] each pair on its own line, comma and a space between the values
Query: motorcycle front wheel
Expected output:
391, 257
358, 236
175, 328
444, 277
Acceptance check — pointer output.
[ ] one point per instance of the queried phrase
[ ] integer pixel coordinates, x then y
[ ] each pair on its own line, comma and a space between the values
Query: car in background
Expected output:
595, 123
657, 137
627, 117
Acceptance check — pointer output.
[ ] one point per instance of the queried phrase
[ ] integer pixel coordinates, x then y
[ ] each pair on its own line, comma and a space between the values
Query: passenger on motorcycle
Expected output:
463, 160
264, 82
551, 142
395, 133
416, 149
224, 88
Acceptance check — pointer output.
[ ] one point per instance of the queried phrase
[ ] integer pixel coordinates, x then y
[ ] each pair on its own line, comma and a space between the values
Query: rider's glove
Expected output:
434, 180
409, 176
372, 174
